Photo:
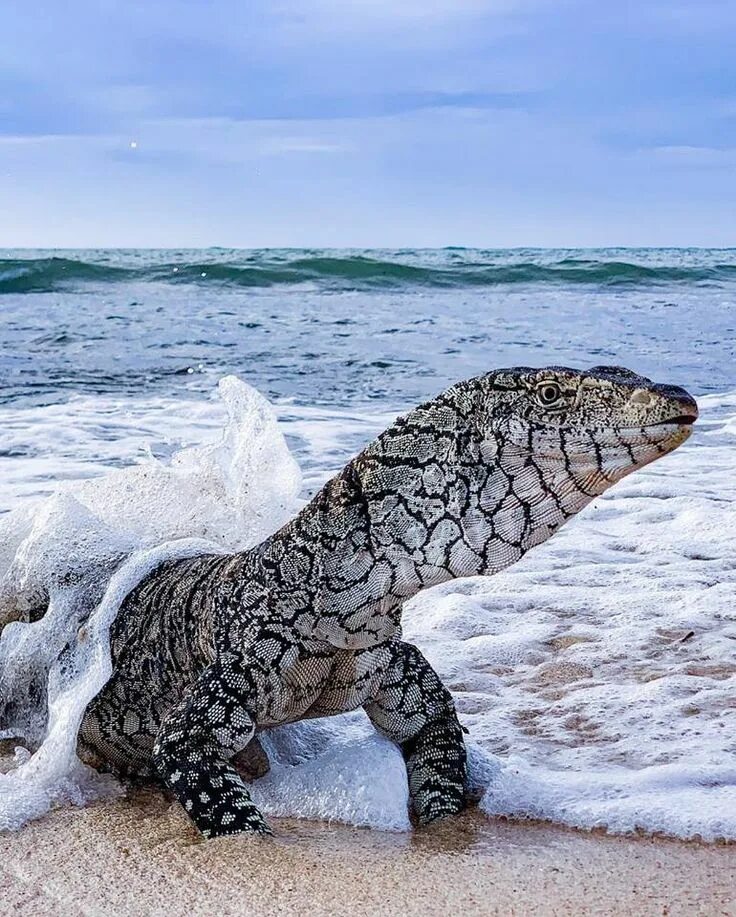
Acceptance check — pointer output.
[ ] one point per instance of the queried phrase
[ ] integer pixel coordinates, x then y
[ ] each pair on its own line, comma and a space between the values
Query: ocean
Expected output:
596, 677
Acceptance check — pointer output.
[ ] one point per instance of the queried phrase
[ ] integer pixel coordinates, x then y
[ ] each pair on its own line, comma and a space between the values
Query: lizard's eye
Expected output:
548, 394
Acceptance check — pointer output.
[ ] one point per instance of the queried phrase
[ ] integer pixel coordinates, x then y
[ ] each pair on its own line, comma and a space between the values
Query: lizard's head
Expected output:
596, 425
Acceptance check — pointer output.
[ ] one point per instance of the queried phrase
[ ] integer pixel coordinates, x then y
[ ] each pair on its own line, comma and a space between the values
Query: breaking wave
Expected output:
443, 269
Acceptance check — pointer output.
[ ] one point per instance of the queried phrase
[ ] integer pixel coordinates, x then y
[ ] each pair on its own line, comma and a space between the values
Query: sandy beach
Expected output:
140, 855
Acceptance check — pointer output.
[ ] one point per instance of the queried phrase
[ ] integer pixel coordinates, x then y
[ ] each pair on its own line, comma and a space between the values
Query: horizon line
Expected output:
354, 248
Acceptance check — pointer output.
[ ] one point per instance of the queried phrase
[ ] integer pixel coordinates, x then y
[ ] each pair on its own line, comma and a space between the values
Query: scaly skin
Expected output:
211, 650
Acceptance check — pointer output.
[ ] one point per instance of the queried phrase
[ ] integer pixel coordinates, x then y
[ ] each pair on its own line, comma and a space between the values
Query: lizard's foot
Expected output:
435, 766
213, 796
246, 819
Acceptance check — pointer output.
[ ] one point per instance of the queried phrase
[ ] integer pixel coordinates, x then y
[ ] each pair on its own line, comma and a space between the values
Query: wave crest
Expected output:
346, 271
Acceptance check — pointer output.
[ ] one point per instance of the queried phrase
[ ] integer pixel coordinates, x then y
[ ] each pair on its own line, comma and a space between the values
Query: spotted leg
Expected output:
193, 748
415, 710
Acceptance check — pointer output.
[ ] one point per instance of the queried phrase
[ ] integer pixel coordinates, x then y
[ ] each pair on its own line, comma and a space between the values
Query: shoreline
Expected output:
140, 855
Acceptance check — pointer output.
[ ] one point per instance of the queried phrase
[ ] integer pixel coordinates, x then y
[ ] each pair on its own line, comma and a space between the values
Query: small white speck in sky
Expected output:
134, 144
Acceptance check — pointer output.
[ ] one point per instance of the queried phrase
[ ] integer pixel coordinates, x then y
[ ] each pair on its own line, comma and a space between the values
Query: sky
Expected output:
367, 123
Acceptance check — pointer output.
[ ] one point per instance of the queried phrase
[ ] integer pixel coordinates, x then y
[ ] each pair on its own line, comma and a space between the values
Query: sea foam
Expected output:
596, 676
68, 564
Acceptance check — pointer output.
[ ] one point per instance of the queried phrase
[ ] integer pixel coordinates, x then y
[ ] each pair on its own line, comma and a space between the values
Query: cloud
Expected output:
90, 66
690, 18
304, 145
339, 17
693, 156
440, 122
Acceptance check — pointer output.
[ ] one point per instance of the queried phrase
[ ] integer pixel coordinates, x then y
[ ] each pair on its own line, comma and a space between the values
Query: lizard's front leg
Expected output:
415, 710
194, 746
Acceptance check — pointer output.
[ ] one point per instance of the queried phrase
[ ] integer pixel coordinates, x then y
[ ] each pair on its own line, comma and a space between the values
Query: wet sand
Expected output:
141, 856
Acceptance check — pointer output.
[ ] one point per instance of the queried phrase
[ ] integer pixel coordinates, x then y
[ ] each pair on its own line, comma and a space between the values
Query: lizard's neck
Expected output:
374, 536
428, 501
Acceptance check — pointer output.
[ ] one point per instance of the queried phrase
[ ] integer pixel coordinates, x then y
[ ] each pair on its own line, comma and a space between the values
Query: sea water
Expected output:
155, 404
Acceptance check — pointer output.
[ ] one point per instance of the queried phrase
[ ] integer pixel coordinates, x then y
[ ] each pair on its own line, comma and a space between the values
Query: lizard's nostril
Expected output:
641, 396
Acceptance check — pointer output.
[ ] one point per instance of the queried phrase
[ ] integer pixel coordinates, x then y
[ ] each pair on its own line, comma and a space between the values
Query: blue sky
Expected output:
367, 123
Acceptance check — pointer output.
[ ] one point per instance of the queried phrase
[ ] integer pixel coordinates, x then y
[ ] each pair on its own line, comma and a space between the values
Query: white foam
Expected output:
81, 551
88, 436
673, 799
596, 676
337, 769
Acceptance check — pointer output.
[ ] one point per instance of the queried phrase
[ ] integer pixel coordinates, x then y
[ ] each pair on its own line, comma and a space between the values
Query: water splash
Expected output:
69, 565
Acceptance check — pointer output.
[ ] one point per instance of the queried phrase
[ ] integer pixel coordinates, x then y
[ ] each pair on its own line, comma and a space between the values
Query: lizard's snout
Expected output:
672, 405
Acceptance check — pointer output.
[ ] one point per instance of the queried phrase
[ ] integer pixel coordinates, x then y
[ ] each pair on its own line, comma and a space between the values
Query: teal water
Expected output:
350, 327
40, 272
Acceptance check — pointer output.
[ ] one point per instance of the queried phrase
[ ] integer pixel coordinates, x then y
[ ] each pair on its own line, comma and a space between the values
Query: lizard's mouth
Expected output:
681, 420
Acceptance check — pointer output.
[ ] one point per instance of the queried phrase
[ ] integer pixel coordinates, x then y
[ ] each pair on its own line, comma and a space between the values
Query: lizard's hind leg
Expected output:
414, 709
193, 750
